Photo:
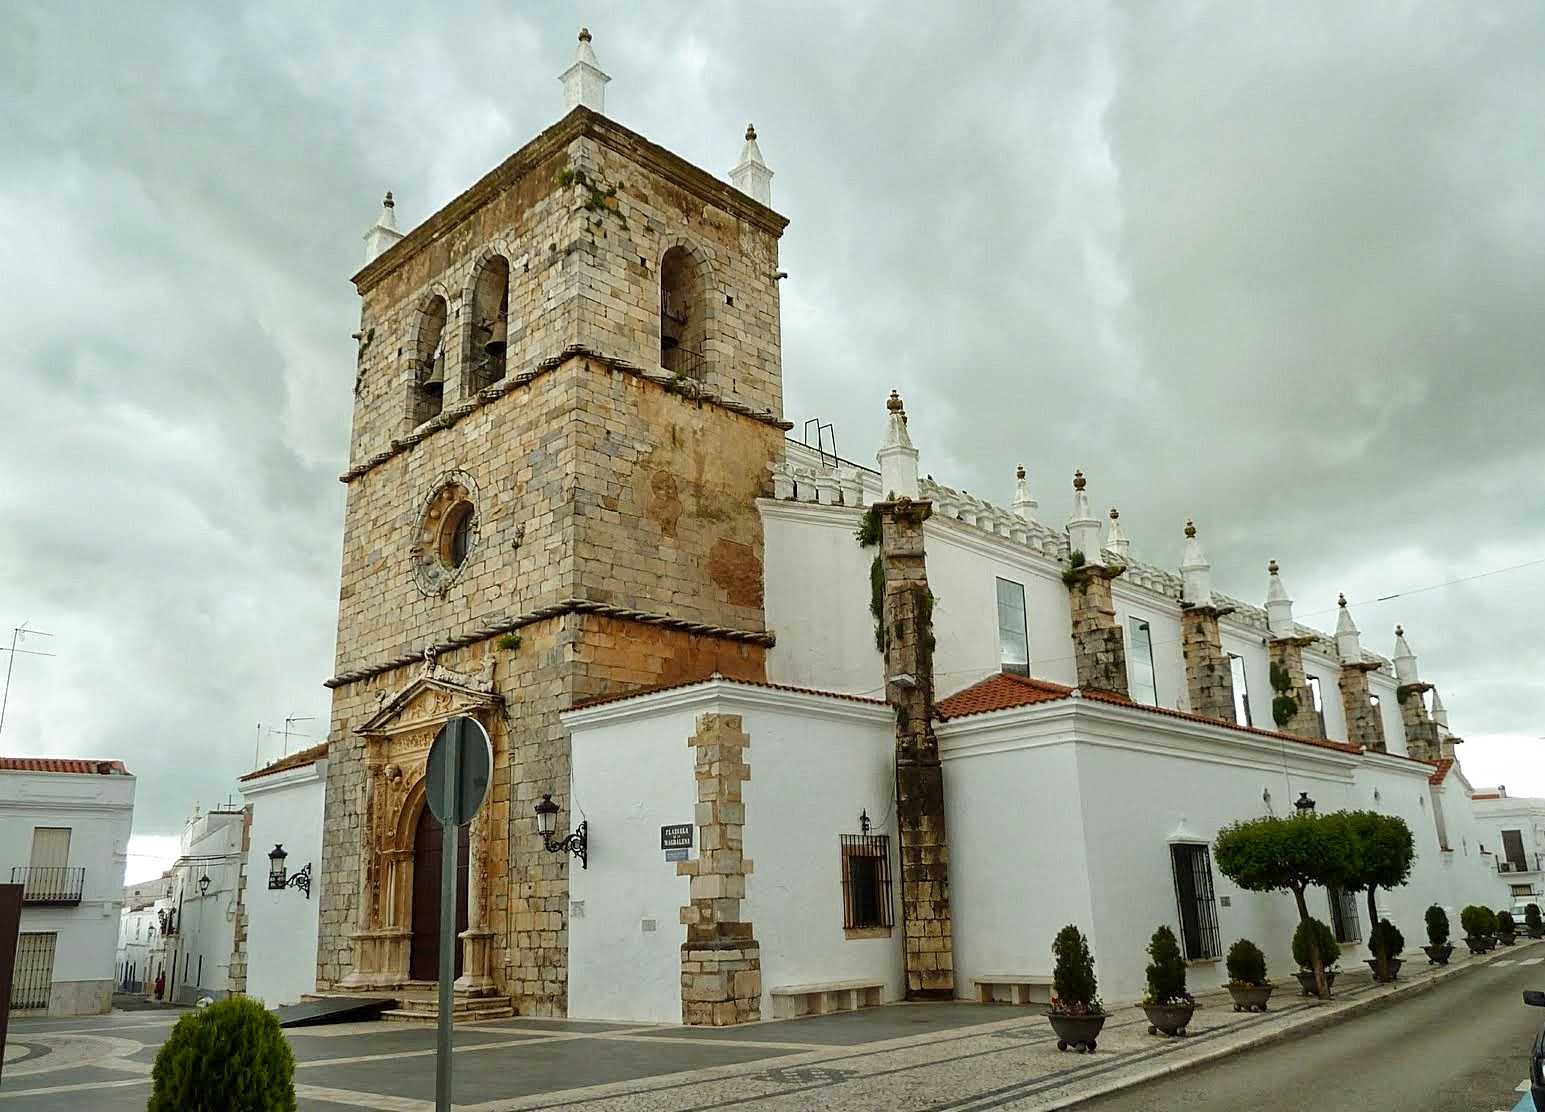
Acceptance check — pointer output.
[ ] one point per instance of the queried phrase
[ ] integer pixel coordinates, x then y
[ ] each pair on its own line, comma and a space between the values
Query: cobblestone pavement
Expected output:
955, 1056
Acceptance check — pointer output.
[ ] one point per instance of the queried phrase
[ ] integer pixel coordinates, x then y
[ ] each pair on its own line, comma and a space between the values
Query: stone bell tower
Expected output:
567, 394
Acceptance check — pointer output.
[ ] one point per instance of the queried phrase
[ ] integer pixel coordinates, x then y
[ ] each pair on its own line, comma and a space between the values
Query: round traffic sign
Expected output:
461, 763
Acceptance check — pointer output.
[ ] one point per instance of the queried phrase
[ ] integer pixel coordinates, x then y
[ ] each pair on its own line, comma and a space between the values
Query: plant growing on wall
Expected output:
1284, 704
1288, 855
868, 535
228, 1057
1384, 853
1075, 991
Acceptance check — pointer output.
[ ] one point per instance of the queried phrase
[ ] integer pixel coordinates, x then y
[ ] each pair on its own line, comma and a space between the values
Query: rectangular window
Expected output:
33, 978
1513, 850
1013, 638
1236, 665
1140, 681
1192, 866
1319, 703
1344, 923
866, 882
50, 847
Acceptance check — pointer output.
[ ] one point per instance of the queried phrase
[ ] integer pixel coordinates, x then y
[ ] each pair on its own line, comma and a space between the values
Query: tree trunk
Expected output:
1380, 958
1316, 959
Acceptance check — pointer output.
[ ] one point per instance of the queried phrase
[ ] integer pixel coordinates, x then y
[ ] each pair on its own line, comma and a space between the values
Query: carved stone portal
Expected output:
397, 741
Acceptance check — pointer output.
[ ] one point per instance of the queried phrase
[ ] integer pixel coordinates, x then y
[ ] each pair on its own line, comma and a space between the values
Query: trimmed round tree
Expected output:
1073, 983
1289, 855
1166, 970
1385, 852
228, 1057
1246, 964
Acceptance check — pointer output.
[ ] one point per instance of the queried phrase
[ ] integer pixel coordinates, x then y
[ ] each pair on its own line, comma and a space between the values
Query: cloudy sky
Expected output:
1275, 266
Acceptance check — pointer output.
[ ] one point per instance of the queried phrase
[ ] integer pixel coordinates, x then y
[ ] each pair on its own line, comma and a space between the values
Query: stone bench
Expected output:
1012, 988
791, 1001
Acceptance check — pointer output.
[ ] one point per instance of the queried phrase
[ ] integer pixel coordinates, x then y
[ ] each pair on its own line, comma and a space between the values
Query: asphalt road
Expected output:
1462, 1046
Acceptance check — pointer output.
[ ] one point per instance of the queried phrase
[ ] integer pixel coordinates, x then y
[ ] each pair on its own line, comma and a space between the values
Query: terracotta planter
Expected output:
1438, 955
1394, 969
1306, 981
1077, 1032
1250, 998
1168, 1019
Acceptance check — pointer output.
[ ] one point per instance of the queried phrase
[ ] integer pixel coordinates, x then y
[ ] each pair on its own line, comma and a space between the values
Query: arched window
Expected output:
490, 324
429, 362
456, 540
683, 314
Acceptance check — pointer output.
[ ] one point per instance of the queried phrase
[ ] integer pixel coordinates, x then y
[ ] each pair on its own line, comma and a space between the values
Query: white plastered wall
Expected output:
287, 809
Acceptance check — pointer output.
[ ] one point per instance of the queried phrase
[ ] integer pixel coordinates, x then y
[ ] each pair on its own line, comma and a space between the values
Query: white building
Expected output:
286, 803
64, 833
1065, 798
1513, 830
199, 937
139, 926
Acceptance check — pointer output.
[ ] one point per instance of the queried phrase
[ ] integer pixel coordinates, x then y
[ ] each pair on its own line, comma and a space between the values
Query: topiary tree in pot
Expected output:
1290, 855
1168, 1005
1247, 982
1076, 1013
1476, 921
1313, 939
1387, 943
1507, 930
228, 1057
1532, 922
1438, 948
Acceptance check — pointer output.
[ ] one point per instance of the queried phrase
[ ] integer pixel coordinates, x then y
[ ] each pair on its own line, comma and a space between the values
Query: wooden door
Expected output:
424, 957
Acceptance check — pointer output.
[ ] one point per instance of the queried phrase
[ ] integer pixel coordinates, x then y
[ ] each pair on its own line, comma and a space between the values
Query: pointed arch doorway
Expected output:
424, 955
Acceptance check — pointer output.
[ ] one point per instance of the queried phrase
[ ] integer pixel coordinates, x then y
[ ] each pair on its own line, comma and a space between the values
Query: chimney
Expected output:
583, 82
1099, 651
907, 627
751, 176
383, 234
897, 457
1292, 703
1364, 726
1421, 731
1024, 505
1209, 679
1116, 542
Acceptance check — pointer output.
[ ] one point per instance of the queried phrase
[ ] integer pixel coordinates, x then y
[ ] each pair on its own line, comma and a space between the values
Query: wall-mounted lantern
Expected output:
863, 821
203, 884
547, 823
1304, 805
277, 879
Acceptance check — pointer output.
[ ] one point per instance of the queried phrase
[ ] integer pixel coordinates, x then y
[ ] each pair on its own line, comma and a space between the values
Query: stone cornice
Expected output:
671, 382
542, 614
732, 695
579, 123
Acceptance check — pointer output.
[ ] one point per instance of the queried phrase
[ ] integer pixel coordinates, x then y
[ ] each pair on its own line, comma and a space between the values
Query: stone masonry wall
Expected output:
1421, 731
1100, 656
721, 964
924, 844
1209, 679
1364, 726
1286, 656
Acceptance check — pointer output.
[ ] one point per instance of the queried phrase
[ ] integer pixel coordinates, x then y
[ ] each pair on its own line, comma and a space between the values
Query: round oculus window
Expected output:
447, 533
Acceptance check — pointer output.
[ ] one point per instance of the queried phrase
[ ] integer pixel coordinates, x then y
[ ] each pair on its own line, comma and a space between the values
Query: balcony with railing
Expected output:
50, 885
1527, 864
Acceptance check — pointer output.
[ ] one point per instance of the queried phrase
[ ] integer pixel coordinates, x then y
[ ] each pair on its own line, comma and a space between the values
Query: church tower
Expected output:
567, 396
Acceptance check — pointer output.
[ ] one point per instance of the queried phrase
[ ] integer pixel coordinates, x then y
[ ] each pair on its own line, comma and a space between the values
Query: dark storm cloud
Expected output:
1277, 268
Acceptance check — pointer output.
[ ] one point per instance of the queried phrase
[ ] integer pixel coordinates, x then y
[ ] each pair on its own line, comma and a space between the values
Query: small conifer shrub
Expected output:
1075, 991
1166, 970
228, 1057
1246, 964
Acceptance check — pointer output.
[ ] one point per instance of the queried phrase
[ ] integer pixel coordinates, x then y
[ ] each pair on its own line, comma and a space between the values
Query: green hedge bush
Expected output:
1325, 941
1072, 979
1532, 917
1246, 964
1478, 921
1386, 939
1505, 924
228, 1057
1167, 970
1437, 925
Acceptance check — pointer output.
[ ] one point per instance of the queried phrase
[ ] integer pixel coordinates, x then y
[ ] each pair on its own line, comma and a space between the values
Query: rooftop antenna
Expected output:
290, 721
17, 633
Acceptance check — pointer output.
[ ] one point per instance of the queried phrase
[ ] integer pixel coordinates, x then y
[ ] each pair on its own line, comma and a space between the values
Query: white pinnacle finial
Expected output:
1116, 537
1349, 642
1439, 711
1195, 571
1083, 529
1024, 505
383, 233
584, 83
897, 457
1405, 659
751, 176
1279, 608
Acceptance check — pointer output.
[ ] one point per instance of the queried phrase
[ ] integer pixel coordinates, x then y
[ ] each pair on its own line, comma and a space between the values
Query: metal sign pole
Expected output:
450, 836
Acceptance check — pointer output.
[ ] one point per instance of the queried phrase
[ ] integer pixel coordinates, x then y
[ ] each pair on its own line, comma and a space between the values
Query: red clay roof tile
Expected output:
78, 765
638, 692
294, 760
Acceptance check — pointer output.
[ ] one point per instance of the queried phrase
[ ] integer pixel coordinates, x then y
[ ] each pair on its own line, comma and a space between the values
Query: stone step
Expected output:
470, 1014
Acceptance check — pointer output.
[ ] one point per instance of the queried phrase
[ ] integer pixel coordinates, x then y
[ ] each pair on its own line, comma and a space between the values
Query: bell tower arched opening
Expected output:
683, 314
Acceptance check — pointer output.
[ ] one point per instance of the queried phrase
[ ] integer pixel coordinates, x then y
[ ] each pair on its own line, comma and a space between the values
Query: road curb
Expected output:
1308, 1025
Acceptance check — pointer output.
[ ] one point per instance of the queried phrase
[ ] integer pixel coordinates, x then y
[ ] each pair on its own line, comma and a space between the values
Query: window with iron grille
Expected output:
1344, 923
33, 978
866, 882
1192, 865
